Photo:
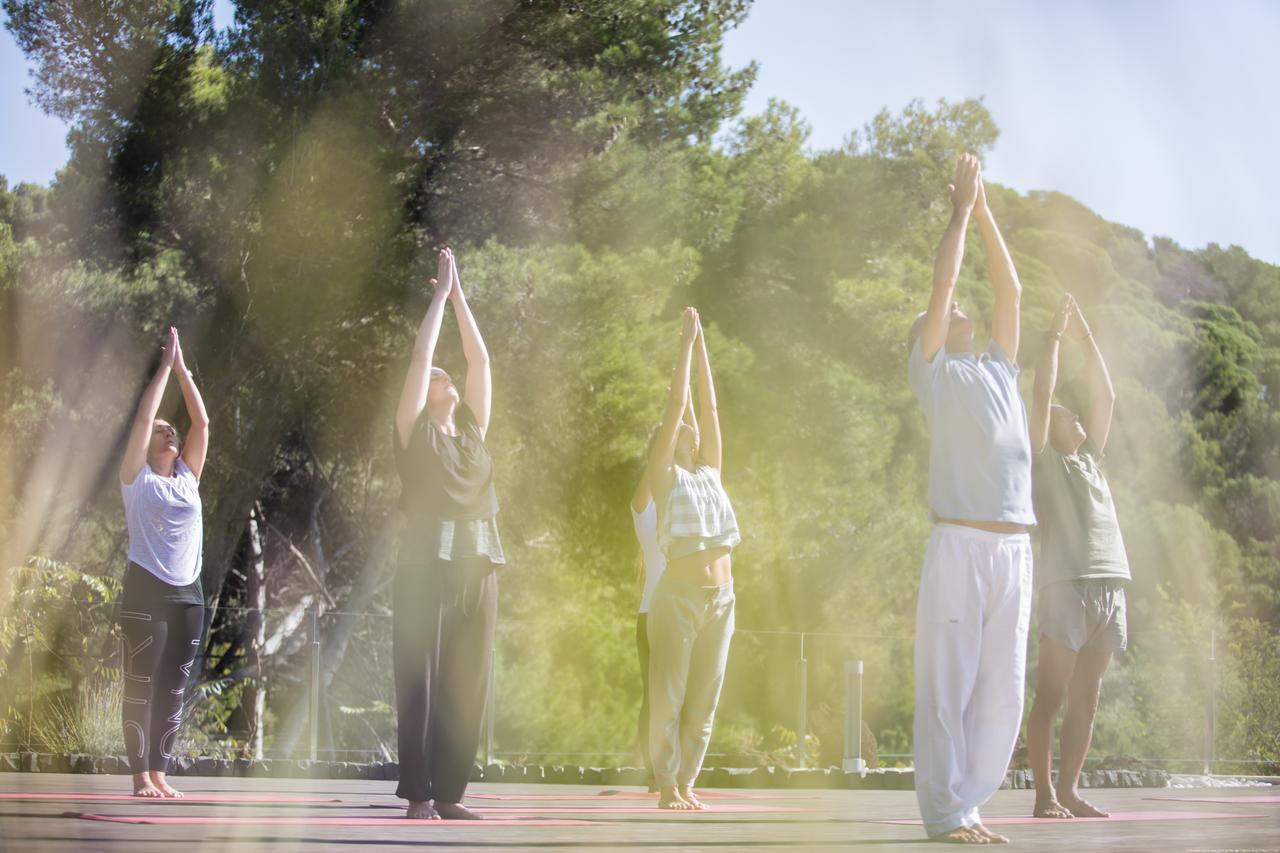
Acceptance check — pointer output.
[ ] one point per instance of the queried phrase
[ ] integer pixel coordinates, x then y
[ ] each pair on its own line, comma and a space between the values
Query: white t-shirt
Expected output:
166, 525
646, 523
979, 440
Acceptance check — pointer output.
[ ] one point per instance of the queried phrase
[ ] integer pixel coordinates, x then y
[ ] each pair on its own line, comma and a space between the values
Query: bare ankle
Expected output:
669, 798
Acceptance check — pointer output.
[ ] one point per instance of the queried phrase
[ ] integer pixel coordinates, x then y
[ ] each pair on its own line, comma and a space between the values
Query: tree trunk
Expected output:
253, 439
256, 597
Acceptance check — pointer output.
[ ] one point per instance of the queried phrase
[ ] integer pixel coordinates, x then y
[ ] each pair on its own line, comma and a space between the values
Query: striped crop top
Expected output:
696, 514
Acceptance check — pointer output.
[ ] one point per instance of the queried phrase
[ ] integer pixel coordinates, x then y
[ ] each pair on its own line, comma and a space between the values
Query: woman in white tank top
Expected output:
644, 518
161, 609
691, 616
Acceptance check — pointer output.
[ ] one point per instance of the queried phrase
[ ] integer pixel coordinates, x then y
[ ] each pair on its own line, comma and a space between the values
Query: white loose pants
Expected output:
970, 659
689, 632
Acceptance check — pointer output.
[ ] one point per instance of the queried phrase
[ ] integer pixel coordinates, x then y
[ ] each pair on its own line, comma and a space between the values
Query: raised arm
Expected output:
1004, 278
1102, 396
711, 451
644, 489
196, 447
643, 493
135, 449
946, 264
1047, 376
662, 457
689, 417
479, 382
413, 396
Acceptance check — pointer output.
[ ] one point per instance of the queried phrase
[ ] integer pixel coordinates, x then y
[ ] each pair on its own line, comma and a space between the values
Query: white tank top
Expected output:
646, 523
166, 530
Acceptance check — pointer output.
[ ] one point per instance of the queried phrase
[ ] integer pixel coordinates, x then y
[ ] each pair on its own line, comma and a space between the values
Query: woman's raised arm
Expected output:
413, 396
135, 450
479, 382
196, 447
711, 450
662, 457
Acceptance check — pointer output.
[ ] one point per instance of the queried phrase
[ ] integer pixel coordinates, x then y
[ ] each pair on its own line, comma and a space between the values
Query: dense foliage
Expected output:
275, 191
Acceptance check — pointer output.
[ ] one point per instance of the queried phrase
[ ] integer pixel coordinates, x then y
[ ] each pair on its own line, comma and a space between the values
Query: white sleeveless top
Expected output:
655, 562
166, 525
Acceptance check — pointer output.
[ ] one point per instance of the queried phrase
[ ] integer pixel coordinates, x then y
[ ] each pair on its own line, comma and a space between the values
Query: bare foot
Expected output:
669, 798
1080, 807
1050, 807
420, 810
455, 811
142, 786
992, 837
686, 794
961, 835
166, 790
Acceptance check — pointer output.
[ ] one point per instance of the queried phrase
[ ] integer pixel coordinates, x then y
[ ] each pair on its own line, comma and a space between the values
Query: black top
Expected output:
446, 477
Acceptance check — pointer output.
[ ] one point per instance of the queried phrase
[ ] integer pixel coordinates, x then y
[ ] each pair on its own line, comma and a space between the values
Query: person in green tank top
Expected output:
1081, 571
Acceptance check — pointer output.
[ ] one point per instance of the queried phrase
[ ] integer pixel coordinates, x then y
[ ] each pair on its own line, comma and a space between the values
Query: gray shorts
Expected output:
1084, 615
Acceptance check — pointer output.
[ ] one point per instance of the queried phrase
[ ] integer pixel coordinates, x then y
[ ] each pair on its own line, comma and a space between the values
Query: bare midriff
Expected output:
711, 567
989, 526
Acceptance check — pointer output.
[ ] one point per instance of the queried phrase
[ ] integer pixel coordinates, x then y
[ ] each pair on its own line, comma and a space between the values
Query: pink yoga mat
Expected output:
612, 809
1264, 798
635, 795
1115, 816
383, 822
190, 798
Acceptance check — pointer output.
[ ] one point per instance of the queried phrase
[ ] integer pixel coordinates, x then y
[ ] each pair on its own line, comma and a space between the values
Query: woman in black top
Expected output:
446, 587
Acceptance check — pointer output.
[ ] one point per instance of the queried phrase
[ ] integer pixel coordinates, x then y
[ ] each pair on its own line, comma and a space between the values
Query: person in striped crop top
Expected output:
691, 615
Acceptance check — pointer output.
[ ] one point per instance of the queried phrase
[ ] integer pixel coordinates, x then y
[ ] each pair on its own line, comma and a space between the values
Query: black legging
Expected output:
642, 731
443, 619
160, 646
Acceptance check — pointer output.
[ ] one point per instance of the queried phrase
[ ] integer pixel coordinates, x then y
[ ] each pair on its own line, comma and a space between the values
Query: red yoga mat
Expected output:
1115, 817
722, 808
636, 795
1264, 798
189, 799
382, 822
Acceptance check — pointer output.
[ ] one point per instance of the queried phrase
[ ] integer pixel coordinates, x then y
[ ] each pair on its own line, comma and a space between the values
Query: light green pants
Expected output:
689, 632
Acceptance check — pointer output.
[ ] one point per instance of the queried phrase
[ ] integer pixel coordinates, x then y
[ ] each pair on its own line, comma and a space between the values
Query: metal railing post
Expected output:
491, 706
31, 683
802, 724
315, 682
853, 762
1213, 689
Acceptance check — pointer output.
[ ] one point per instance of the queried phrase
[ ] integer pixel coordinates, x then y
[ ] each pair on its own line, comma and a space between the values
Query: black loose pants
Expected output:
443, 616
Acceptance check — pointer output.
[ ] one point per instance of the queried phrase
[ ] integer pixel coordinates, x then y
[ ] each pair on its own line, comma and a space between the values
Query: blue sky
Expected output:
1159, 114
